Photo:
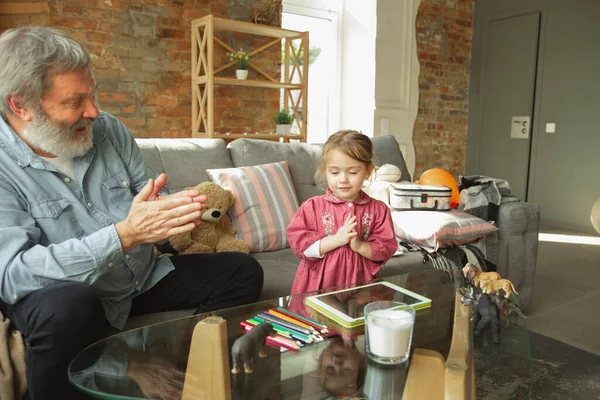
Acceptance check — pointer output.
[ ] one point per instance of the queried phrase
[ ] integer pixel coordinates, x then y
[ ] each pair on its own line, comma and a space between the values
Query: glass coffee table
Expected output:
190, 358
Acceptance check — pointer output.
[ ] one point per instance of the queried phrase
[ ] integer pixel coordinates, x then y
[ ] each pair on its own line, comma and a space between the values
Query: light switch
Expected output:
550, 127
520, 127
385, 126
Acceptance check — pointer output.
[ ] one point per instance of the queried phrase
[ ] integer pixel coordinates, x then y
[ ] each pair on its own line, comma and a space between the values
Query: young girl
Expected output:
343, 236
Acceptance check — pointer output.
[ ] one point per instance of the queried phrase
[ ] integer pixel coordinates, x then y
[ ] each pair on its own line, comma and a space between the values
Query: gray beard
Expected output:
58, 139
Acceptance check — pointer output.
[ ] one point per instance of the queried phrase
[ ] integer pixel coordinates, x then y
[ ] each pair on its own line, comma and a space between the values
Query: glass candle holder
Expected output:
389, 328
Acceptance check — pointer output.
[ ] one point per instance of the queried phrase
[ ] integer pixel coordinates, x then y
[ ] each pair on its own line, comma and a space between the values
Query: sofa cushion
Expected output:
185, 161
302, 159
265, 202
411, 261
387, 151
279, 269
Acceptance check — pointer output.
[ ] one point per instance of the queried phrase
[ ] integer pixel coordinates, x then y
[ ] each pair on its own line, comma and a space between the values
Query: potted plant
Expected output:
242, 61
284, 120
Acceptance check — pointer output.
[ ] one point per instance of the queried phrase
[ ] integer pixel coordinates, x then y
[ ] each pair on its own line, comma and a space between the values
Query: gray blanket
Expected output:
453, 259
481, 196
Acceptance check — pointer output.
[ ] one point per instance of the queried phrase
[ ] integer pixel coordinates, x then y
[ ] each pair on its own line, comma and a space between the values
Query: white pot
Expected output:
241, 73
283, 129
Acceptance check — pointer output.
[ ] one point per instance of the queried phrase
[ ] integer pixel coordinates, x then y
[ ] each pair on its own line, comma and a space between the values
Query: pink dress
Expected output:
322, 216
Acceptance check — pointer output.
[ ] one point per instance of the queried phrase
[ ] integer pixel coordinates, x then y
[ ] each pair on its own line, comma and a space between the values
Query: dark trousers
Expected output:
60, 320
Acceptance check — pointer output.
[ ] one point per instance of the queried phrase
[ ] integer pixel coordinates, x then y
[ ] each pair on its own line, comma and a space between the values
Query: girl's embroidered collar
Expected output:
363, 198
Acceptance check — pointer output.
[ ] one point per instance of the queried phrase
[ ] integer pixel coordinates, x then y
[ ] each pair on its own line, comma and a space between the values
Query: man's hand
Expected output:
156, 377
156, 186
153, 218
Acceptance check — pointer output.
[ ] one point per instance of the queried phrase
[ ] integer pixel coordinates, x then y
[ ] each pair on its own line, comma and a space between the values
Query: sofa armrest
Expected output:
519, 224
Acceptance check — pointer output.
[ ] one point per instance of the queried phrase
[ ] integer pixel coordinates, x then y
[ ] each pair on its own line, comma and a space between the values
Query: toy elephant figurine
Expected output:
246, 347
486, 312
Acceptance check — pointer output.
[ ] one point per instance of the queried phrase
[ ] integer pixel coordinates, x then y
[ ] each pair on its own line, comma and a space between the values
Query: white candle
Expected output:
389, 332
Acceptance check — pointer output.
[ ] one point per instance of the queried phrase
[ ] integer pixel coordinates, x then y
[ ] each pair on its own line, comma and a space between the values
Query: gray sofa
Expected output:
513, 249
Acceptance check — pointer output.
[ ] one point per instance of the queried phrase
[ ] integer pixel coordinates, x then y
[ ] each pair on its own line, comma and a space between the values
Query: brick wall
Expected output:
444, 33
142, 56
23, 13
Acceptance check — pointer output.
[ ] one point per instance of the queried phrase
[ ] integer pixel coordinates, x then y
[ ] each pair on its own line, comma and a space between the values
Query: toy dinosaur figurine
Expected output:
486, 312
246, 347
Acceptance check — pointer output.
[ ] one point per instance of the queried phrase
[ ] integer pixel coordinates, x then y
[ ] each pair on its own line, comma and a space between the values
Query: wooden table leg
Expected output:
425, 379
430, 377
207, 374
459, 372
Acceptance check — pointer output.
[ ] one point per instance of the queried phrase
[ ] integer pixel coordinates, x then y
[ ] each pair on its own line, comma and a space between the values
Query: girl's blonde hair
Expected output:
353, 144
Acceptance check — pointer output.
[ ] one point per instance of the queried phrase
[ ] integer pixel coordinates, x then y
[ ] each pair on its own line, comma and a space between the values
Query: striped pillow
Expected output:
265, 202
433, 230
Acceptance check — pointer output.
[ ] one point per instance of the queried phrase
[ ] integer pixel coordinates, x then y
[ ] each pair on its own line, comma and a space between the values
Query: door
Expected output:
506, 99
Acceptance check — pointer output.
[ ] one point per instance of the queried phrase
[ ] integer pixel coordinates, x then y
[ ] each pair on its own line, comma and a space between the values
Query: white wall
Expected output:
359, 26
397, 74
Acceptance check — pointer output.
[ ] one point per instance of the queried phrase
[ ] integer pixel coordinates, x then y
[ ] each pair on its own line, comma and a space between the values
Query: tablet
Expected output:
346, 306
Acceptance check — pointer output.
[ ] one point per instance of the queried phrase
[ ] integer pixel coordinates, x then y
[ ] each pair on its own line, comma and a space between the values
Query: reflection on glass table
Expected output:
155, 362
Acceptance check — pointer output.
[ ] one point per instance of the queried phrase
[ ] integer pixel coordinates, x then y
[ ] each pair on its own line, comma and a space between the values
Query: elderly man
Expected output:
79, 213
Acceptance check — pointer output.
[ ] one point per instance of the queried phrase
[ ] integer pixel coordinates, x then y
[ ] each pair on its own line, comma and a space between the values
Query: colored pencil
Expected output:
317, 325
290, 341
285, 332
245, 325
290, 319
274, 324
289, 325
279, 341
322, 328
255, 320
294, 333
304, 339
280, 324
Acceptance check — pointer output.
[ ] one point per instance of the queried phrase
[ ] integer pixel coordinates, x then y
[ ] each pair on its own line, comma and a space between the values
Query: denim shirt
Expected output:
53, 228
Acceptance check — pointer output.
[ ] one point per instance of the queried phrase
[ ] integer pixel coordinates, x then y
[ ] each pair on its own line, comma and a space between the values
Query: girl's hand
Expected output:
360, 247
355, 243
347, 231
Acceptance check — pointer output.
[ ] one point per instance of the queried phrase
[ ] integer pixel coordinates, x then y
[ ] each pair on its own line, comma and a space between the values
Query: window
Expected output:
323, 75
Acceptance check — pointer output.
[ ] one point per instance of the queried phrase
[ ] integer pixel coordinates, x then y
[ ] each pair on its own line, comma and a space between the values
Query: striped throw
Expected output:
265, 202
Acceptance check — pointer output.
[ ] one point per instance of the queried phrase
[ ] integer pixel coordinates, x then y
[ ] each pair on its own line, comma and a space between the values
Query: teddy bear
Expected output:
215, 233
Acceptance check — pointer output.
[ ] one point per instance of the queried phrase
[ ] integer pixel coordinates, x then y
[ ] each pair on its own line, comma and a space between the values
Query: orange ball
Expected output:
438, 176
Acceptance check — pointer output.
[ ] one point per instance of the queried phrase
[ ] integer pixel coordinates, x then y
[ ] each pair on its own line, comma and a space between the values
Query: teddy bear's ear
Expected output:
231, 199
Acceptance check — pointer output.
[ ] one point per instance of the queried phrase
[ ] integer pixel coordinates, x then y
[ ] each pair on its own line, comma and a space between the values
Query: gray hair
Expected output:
30, 57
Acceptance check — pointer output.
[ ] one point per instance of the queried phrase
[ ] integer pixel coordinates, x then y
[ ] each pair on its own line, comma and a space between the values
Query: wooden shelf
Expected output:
203, 80
246, 27
204, 73
251, 136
